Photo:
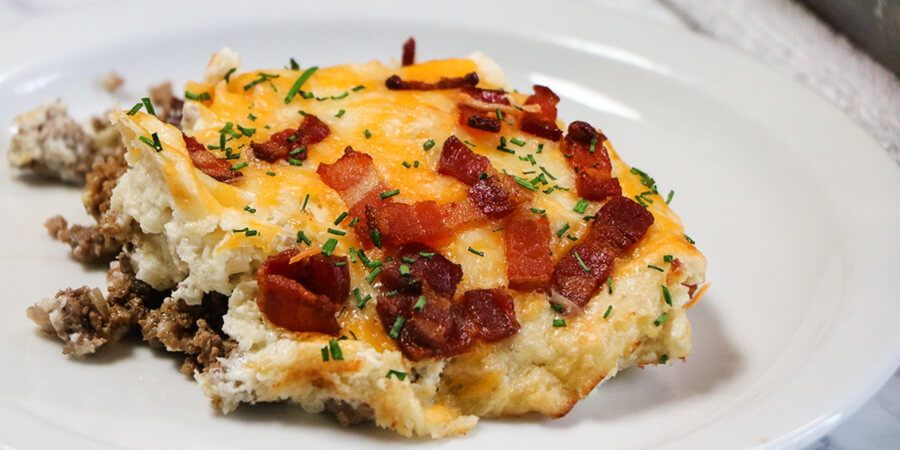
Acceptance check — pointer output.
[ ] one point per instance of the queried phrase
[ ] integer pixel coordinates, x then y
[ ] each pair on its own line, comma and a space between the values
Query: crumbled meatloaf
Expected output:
89, 244
85, 320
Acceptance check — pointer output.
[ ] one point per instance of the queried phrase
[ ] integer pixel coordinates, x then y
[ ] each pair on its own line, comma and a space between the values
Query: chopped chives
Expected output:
360, 300
376, 237
354, 221
593, 144
398, 325
358, 88
341, 217
540, 149
233, 156
651, 266
271, 174
307, 95
148, 105
134, 109
339, 114
472, 250
664, 358
559, 323
562, 230
407, 259
203, 96
251, 117
608, 311
296, 86
338, 97
668, 258
669, 197
305, 201
228, 74
298, 150
420, 303
557, 308
407, 165
641, 201
427, 255
295, 162
302, 112
238, 166
337, 232
580, 206
609, 285
404, 270
581, 263
470, 144
336, 353
250, 209
538, 211
517, 141
416, 163
294, 65
428, 144
329, 246
571, 238
263, 77
246, 131
688, 238
389, 194
367, 133
325, 354
546, 172
667, 295
353, 255
222, 142
301, 237
661, 319
397, 374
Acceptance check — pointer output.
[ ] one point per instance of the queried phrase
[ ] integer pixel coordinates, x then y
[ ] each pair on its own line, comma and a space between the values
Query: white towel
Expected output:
790, 39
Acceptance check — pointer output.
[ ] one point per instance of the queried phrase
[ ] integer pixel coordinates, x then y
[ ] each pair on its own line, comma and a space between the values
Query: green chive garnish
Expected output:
668, 258
427, 255
428, 144
669, 197
661, 319
339, 114
389, 194
338, 97
367, 133
228, 74
581, 263
341, 217
580, 206
329, 246
148, 105
593, 144
608, 312
301, 237
663, 359
336, 353
397, 374
305, 201
250, 209
239, 166
562, 230
376, 237
296, 86
609, 285
358, 88
559, 323
651, 266
667, 296
517, 141
472, 250
337, 232
420, 303
134, 109
325, 353
688, 238
398, 325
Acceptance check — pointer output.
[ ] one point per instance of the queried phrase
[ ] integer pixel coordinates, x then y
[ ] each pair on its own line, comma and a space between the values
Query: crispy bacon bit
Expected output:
409, 52
493, 197
395, 83
460, 162
438, 273
591, 187
401, 223
491, 313
355, 177
577, 276
207, 162
594, 169
434, 331
462, 213
280, 145
473, 118
543, 123
528, 263
303, 296
486, 95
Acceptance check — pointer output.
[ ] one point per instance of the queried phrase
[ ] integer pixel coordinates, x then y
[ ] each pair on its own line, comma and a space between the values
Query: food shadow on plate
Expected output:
714, 360
33, 181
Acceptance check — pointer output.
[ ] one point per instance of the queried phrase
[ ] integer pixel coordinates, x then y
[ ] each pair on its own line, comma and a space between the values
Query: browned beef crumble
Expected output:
347, 415
88, 244
168, 107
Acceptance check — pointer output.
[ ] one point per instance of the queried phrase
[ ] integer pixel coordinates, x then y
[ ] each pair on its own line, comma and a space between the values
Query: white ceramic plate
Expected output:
796, 209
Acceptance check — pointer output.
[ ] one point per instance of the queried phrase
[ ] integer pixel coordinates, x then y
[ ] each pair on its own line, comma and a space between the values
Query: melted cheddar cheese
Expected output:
190, 241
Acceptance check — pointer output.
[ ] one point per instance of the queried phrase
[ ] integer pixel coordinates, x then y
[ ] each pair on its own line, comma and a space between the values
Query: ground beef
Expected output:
50, 144
168, 107
89, 244
100, 183
195, 330
346, 414
85, 320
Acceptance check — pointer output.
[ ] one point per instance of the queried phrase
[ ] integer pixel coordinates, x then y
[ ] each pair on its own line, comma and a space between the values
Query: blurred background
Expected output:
846, 51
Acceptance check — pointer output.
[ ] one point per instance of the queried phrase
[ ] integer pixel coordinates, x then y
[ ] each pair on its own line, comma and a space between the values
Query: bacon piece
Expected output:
434, 331
437, 273
528, 263
460, 162
461, 213
493, 197
395, 83
594, 168
207, 162
473, 118
491, 313
543, 123
303, 296
619, 224
355, 177
591, 186
486, 95
401, 223
280, 145
409, 52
